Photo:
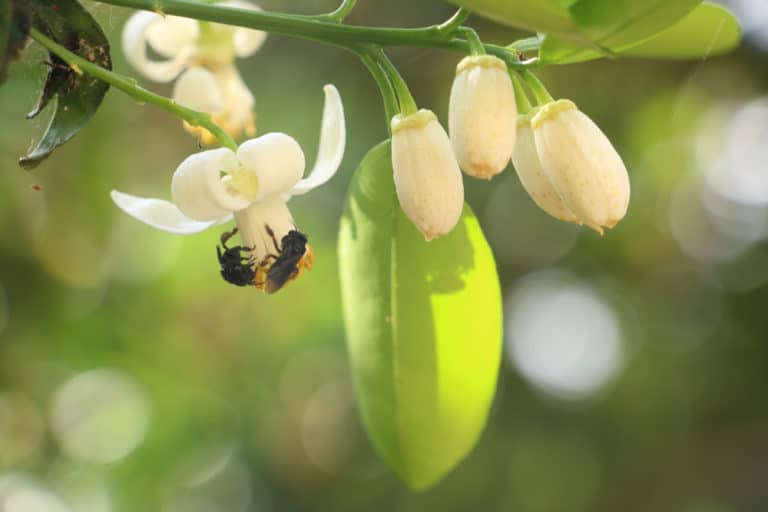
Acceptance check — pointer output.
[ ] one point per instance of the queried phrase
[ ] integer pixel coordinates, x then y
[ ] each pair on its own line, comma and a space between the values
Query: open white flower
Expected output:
253, 184
201, 55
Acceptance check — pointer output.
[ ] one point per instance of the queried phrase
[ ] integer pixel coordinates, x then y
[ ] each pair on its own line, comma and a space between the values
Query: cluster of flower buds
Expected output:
564, 161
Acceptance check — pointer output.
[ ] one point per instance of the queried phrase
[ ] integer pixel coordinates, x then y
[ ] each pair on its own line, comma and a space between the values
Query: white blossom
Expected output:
201, 55
252, 184
482, 116
427, 177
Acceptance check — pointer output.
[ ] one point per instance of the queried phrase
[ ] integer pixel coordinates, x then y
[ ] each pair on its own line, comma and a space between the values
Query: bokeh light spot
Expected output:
100, 415
562, 335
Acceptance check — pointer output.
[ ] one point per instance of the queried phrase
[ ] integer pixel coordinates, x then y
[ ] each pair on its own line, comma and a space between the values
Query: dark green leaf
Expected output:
423, 323
78, 95
707, 30
14, 30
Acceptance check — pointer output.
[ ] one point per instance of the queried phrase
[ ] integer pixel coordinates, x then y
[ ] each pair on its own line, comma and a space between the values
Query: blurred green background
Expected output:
133, 378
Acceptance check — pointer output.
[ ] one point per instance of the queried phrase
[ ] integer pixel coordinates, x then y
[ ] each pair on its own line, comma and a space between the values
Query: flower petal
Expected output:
199, 89
197, 187
276, 159
332, 143
135, 36
162, 215
245, 40
172, 34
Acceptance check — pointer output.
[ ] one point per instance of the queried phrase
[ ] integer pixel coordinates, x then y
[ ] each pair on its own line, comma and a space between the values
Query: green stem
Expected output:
537, 87
476, 46
343, 10
450, 25
129, 86
407, 103
391, 106
320, 29
521, 99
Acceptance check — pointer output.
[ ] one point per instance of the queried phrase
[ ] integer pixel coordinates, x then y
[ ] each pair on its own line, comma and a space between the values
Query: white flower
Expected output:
253, 184
570, 168
201, 55
427, 176
482, 116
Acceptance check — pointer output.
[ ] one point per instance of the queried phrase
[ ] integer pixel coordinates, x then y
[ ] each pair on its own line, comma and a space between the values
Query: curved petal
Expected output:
276, 159
172, 34
159, 214
197, 187
245, 40
134, 40
332, 142
199, 89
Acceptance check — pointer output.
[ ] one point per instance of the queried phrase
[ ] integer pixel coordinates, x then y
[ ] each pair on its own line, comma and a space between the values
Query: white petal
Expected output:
332, 142
276, 159
252, 224
238, 109
199, 89
135, 36
172, 34
159, 214
245, 40
197, 187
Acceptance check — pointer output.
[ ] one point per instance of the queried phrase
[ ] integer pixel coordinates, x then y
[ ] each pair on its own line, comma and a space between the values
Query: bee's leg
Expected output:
218, 253
226, 236
274, 239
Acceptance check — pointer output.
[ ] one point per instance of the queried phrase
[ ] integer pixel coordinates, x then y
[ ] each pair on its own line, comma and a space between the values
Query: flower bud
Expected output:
482, 116
569, 167
532, 175
582, 164
427, 176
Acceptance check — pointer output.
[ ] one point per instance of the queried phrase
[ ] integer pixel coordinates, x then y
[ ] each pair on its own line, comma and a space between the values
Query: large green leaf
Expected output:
707, 30
78, 95
14, 30
549, 16
423, 323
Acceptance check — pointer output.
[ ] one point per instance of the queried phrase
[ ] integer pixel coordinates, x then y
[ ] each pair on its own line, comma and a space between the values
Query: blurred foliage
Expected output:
247, 398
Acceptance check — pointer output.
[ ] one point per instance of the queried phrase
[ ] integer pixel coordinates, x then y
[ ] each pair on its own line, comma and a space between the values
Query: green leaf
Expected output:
77, 95
423, 322
707, 30
550, 16
14, 30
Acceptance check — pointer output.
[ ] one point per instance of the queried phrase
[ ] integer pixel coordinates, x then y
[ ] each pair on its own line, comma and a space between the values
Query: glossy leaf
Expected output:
77, 95
423, 323
707, 30
549, 16
14, 30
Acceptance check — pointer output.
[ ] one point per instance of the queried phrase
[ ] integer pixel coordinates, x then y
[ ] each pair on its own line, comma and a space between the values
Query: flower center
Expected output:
214, 45
243, 182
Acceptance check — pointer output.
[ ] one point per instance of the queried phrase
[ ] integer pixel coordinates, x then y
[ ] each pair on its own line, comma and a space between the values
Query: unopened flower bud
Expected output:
570, 168
532, 176
427, 176
482, 116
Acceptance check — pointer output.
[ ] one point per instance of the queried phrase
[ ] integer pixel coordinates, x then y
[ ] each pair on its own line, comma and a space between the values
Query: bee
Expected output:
293, 254
235, 267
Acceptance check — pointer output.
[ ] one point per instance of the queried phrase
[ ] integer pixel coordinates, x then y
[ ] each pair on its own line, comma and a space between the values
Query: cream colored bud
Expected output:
581, 164
427, 176
532, 176
482, 116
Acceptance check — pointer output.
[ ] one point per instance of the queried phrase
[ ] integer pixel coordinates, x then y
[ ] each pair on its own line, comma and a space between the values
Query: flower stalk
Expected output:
324, 30
129, 86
